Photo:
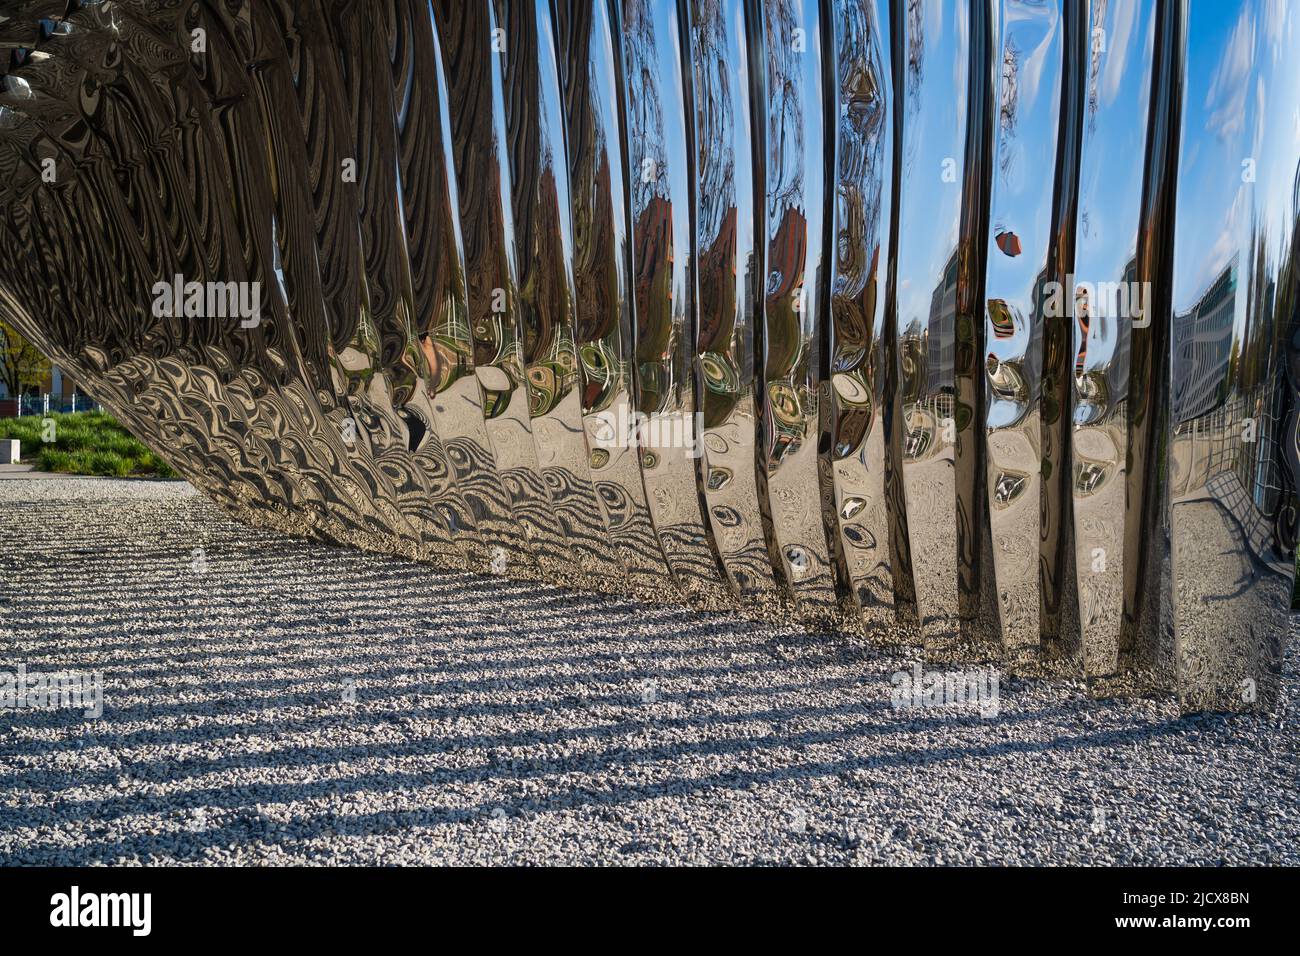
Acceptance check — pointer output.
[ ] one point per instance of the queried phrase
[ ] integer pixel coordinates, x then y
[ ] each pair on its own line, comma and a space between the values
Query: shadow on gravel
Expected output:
296, 703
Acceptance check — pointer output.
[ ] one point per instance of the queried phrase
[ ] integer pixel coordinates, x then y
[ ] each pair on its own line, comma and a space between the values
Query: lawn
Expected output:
85, 443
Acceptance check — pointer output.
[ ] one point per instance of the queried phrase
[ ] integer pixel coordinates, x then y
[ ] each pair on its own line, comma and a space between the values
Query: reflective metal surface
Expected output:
1028, 48
475, 81
943, 66
605, 331
1146, 637
544, 268
1234, 351
1117, 116
984, 311
728, 282
788, 72
859, 398
658, 125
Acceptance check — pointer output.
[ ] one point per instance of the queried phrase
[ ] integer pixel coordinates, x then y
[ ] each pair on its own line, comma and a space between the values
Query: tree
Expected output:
21, 365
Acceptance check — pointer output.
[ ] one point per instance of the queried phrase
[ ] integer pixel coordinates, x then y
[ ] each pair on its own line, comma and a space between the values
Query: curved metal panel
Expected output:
604, 331
860, 399
381, 367
441, 319
1117, 117
1146, 637
1058, 593
482, 169
728, 277
544, 243
1029, 48
926, 279
1234, 354
337, 260
663, 273
417, 138
787, 81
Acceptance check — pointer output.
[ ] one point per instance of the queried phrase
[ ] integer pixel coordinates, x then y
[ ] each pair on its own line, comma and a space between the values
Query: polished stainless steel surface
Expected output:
1117, 119
544, 270
939, 265
983, 311
605, 332
1028, 48
1058, 595
430, 273
1146, 637
859, 398
788, 74
475, 80
1234, 350
728, 283
380, 368
658, 122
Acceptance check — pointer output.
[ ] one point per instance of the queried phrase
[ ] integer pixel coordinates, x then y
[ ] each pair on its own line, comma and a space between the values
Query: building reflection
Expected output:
1227, 408
929, 355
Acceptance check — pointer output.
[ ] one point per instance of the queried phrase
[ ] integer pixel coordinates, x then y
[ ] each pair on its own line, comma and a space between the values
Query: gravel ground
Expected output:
272, 701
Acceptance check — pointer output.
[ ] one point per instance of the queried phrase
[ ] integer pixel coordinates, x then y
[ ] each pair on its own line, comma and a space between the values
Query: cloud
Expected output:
1225, 102
1118, 49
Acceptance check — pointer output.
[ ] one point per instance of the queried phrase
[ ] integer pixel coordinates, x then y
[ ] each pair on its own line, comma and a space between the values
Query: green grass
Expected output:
85, 443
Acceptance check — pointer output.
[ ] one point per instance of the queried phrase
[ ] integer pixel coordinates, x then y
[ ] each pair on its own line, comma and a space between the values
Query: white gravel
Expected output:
498, 722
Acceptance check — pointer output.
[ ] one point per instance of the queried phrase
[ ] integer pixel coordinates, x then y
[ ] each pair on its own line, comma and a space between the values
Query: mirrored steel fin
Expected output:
977, 321
1233, 349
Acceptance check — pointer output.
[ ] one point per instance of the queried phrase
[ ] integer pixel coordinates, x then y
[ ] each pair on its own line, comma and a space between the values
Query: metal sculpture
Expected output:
967, 323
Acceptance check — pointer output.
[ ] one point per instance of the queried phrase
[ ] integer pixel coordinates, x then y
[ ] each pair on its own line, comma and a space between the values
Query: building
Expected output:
57, 384
1202, 347
940, 333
